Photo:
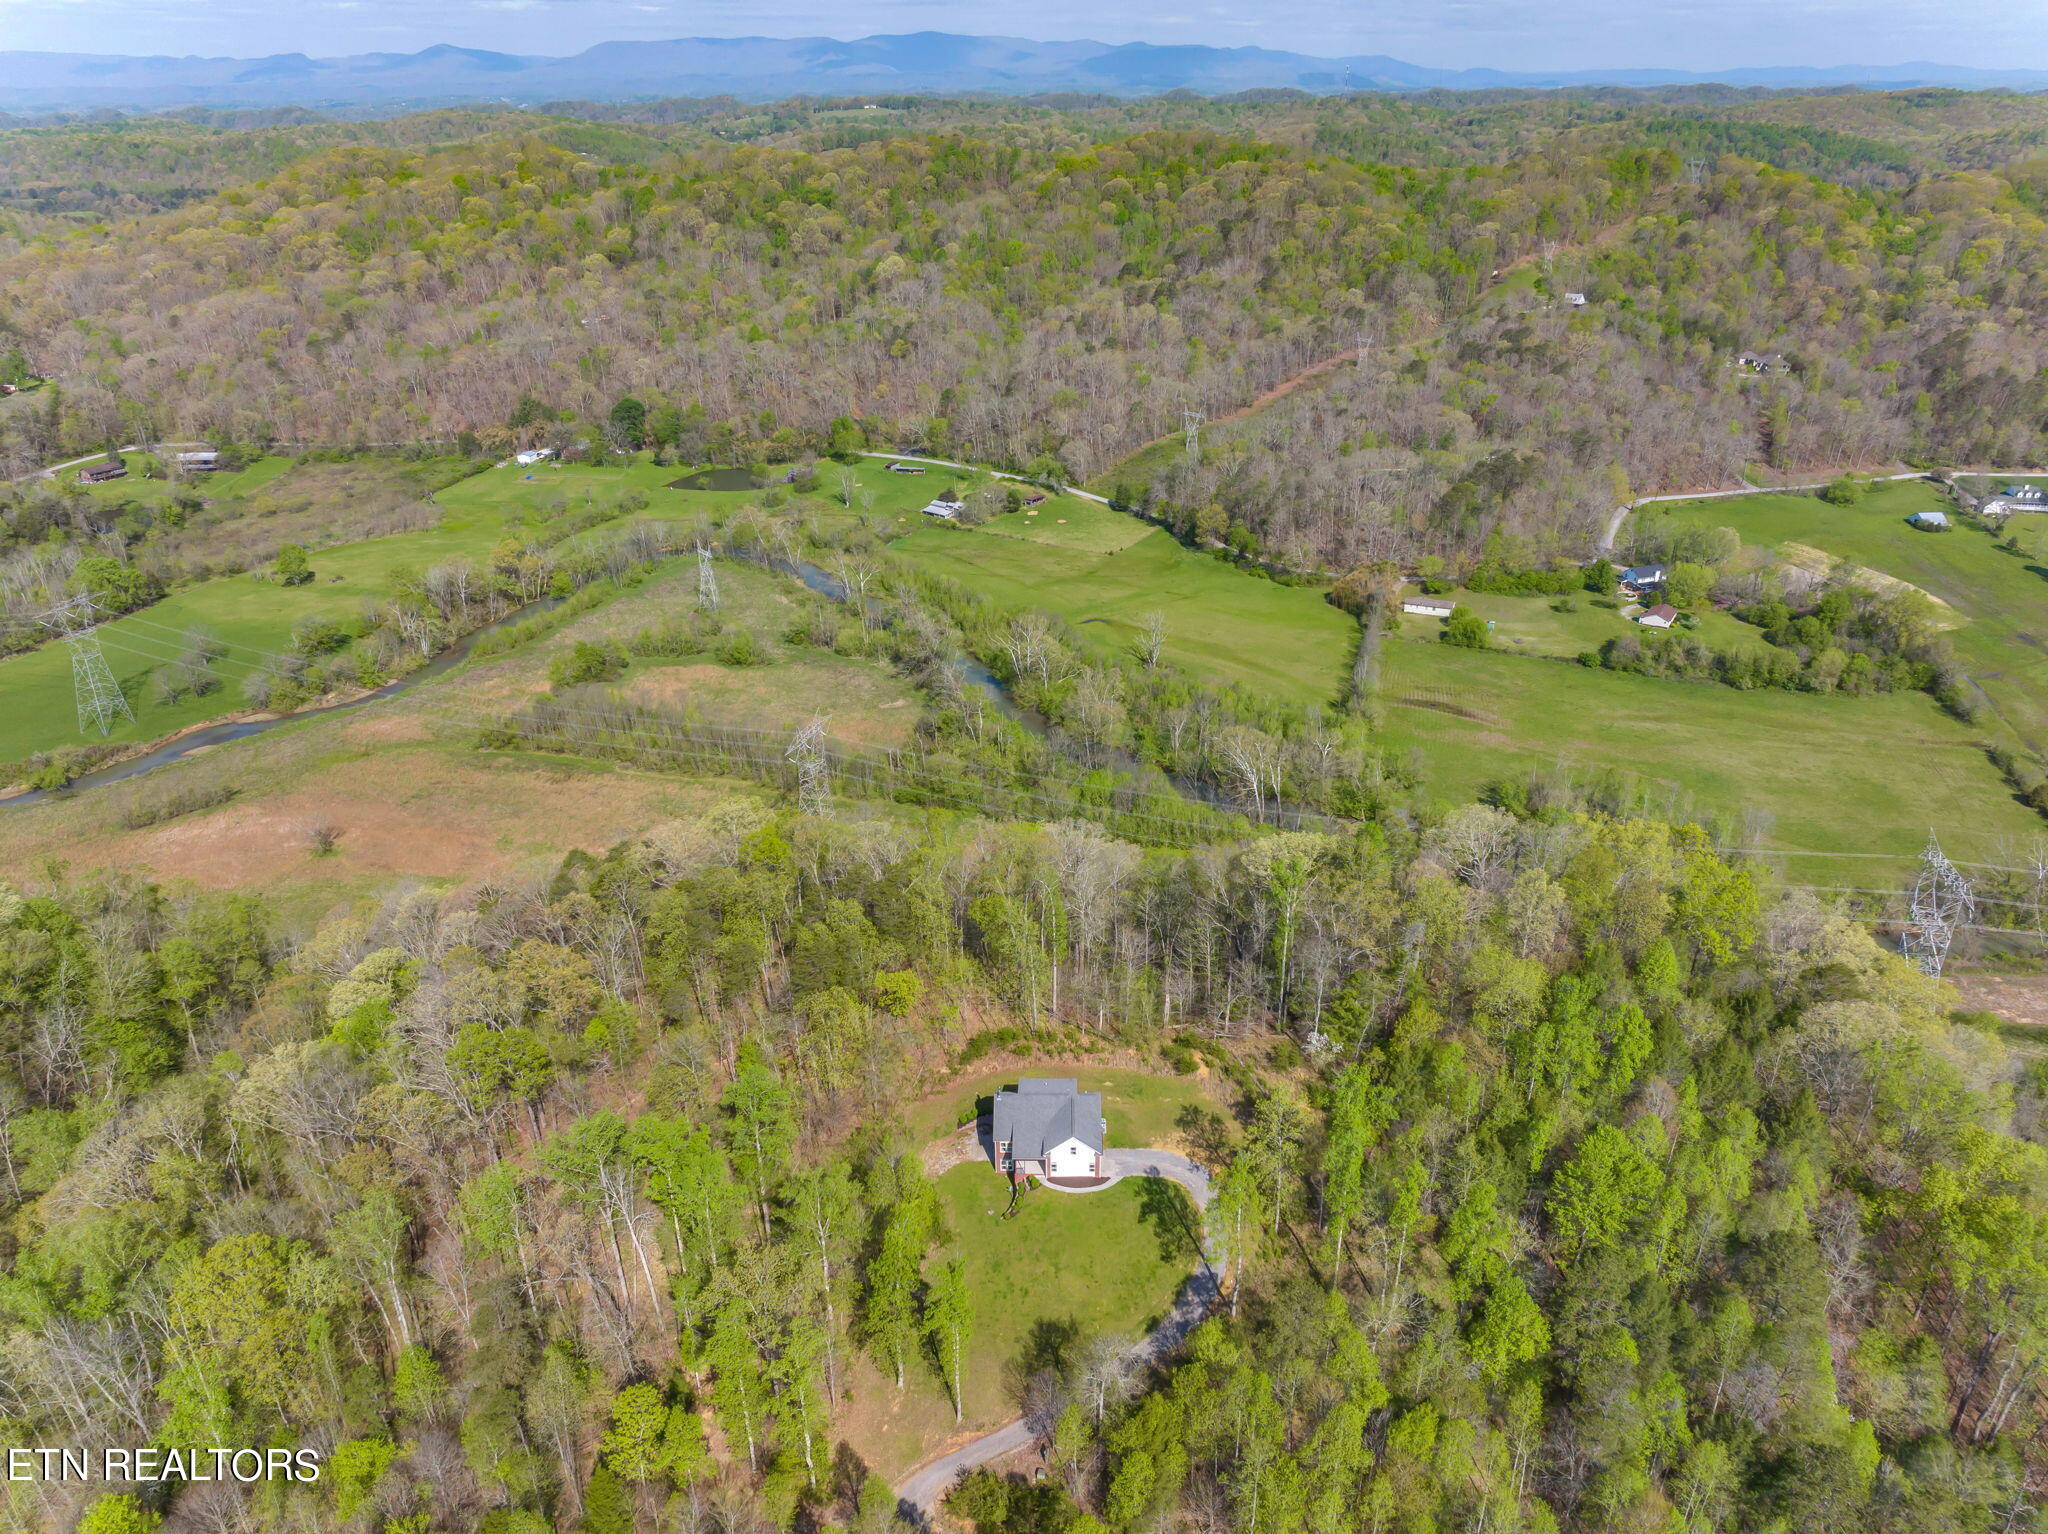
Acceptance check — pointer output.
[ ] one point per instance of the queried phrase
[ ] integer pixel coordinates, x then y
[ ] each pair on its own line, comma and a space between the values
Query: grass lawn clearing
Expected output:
1068, 1267
1070, 523
1139, 1108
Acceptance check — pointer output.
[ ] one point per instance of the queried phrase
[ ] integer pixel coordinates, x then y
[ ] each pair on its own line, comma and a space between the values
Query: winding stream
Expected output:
241, 729
970, 671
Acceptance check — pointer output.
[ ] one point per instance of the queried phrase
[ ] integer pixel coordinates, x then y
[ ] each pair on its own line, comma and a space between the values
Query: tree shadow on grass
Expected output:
1047, 1350
1205, 1134
1175, 1222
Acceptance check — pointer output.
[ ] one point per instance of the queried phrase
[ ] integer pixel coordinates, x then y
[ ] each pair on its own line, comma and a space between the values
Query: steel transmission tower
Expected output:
1191, 431
707, 580
1940, 901
100, 701
813, 783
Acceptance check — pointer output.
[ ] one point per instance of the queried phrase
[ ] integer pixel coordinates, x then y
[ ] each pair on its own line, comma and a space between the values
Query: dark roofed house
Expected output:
1046, 1126
2032, 494
100, 473
1762, 362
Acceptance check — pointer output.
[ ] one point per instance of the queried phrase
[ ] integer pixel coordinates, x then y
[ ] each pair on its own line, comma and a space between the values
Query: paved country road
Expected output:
925, 1487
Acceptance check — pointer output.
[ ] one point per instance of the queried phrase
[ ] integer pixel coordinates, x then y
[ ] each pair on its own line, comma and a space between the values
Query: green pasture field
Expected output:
404, 782
1220, 622
1835, 773
252, 617
255, 618
2001, 598
1069, 523
138, 487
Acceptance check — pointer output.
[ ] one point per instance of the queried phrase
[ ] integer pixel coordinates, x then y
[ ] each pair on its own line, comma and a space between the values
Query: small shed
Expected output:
1662, 616
906, 468
1931, 521
1576, 300
1428, 607
200, 460
533, 455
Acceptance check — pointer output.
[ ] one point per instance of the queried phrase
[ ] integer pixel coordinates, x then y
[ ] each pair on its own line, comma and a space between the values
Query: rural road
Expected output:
925, 1487
1621, 512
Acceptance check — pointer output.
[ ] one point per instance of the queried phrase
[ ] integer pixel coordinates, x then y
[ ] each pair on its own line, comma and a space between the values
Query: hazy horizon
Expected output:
1509, 35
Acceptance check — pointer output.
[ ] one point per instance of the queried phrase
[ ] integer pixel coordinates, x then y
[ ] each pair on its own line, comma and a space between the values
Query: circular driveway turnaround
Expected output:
926, 1486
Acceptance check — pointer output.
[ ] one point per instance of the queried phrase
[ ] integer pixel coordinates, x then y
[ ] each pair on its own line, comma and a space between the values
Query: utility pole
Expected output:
99, 697
707, 581
813, 782
1191, 431
1940, 901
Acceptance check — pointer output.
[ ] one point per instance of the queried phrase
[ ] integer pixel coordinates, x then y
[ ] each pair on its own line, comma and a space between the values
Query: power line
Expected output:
1893, 857
813, 784
707, 581
1940, 901
93, 687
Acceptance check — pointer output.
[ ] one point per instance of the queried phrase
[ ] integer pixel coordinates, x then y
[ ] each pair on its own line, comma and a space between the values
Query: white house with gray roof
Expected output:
1046, 1126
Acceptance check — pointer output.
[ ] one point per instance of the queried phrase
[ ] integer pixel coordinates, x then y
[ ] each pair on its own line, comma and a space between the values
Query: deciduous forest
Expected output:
1569, 1165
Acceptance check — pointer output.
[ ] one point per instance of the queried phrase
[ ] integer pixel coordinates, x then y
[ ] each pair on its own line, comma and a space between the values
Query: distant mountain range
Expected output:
765, 68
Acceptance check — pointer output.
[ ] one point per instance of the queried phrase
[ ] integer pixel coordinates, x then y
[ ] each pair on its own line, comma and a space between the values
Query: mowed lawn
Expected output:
2001, 598
1066, 1268
1834, 773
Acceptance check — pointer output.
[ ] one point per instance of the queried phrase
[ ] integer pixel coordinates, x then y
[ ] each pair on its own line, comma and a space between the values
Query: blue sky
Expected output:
1505, 34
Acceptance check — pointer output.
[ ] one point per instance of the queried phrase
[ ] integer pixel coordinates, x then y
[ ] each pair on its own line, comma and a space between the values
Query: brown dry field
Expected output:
2020, 999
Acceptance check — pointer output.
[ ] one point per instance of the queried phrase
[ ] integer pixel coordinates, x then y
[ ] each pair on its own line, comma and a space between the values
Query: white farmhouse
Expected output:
1046, 1126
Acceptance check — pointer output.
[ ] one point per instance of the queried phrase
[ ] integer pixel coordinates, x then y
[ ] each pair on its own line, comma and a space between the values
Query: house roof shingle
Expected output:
1044, 1111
